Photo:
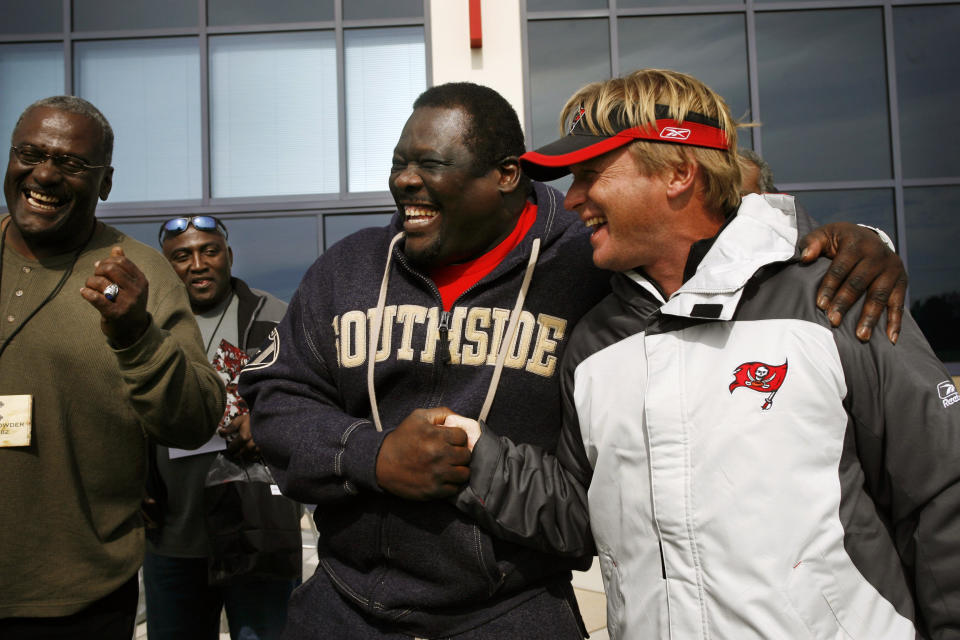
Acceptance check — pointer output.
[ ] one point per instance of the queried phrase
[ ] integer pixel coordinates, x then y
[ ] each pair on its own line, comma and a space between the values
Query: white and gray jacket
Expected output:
751, 472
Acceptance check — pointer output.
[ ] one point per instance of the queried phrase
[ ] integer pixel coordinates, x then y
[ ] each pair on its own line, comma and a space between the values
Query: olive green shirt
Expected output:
70, 529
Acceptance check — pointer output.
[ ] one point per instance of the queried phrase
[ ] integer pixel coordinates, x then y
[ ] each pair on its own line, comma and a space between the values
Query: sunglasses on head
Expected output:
176, 226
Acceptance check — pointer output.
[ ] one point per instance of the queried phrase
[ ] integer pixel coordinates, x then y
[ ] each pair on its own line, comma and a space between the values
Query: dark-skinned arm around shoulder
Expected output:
863, 265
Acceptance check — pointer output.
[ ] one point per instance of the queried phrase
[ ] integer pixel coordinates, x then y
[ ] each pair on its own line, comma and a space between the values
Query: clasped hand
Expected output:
428, 455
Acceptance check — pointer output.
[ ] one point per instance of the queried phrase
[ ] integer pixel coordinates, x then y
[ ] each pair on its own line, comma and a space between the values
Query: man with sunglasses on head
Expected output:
180, 601
98, 351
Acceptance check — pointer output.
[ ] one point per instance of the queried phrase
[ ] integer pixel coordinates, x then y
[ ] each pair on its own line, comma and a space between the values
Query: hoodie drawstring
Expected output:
376, 322
512, 328
374, 340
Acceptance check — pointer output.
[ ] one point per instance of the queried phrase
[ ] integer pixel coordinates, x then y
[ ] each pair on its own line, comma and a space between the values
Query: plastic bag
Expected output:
254, 531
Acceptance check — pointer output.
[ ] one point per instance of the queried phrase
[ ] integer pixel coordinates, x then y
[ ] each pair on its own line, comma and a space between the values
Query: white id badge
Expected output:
16, 420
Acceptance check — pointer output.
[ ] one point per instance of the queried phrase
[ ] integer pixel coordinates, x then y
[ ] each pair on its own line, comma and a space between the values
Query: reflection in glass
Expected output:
933, 228
386, 69
565, 5
273, 114
221, 13
22, 17
873, 207
823, 97
712, 48
28, 72
104, 15
336, 228
564, 56
378, 9
149, 90
928, 89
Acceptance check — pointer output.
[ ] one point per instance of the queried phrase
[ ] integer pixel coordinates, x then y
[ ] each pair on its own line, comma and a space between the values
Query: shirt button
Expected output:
27, 269
10, 318
18, 292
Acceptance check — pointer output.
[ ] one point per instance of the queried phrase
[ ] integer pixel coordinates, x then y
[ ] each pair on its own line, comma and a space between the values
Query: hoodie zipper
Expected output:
444, 327
442, 356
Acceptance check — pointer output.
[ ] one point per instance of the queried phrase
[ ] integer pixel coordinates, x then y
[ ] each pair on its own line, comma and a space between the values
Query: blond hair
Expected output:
633, 98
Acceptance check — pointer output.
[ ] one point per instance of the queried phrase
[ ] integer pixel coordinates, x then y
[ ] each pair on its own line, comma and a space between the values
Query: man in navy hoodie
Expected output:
463, 305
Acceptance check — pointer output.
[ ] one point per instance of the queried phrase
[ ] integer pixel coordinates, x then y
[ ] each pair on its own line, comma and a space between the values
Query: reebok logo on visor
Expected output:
674, 133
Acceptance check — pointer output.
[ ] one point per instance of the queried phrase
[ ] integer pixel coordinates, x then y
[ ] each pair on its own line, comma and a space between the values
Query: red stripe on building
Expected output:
476, 32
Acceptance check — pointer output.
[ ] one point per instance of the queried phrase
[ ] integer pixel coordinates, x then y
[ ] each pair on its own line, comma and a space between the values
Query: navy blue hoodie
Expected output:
423, 567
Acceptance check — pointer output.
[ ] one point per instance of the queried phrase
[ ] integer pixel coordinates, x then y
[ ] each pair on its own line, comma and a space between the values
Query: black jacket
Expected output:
258, 312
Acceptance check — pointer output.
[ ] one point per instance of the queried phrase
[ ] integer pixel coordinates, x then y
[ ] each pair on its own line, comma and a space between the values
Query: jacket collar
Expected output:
764, 231
248, 304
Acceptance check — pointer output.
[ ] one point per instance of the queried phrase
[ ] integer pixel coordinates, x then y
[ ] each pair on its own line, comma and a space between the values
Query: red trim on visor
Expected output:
668, 130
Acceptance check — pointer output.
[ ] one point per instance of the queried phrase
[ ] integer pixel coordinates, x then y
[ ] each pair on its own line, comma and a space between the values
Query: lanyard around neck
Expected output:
56, 289
213, 335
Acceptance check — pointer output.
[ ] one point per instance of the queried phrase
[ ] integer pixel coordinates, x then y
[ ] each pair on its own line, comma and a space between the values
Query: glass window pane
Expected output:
933, 228
273, 253
21, 17
928, 89
564, 56
28, 72
336, 228
378, 9
711, 48
823, 96
101, 15
630, 4
385, 72
273, 114
565, 5
149, 90
234, 12
145, 232
872, 207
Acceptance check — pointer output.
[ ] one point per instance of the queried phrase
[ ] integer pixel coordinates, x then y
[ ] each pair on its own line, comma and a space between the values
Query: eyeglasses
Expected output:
67, 164
176, 226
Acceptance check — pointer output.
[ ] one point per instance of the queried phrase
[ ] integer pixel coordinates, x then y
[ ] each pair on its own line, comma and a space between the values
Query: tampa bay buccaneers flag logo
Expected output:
761, 377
